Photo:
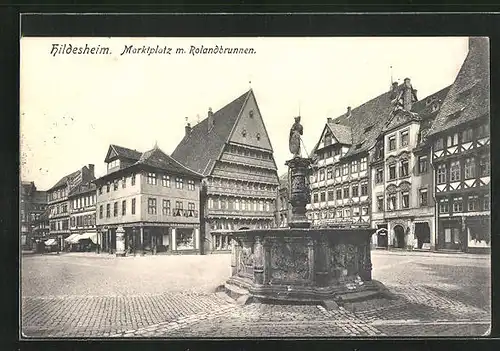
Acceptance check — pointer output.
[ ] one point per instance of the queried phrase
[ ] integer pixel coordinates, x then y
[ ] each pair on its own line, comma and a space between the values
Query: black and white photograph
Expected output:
254, 187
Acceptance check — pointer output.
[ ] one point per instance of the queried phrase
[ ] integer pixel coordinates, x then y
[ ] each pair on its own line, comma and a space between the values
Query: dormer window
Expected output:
244, 133
113, 164
258, 136
250, 114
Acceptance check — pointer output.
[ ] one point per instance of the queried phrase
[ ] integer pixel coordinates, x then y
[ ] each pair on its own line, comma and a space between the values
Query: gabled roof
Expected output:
123, 152
158, 159
82, 188
366, 122
64, 180
341, 132
201, 148
469, 96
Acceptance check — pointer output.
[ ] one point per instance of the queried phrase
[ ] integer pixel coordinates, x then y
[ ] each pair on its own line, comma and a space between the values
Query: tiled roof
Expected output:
468, 98
341, 132
82, 188
64, 180
366, 122
158, 159
126, 152
201, 148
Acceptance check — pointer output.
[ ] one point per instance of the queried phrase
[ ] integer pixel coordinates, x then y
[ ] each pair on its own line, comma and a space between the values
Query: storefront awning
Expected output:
51, 242
70, 238
91, 236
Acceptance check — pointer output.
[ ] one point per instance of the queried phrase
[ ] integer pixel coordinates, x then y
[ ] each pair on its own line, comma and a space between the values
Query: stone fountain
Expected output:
300, 264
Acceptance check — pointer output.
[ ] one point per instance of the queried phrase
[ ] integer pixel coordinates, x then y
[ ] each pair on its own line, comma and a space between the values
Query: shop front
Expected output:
478, 231
450, 234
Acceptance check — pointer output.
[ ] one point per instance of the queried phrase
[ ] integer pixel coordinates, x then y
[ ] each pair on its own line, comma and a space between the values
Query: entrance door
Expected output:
399, 237
423, 234
452, 238
382, 236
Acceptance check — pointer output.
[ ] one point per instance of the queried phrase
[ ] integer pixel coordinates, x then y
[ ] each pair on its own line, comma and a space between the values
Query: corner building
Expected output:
153, 198
460, 140
232, 150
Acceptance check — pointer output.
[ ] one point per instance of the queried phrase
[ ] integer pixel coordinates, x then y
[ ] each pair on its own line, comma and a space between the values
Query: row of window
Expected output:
231, 225
85, 201
237, 150
238, 184
423, 167
469, 169
473, 203
58, 194
241, 204
83, 221
355, 166
403, 138
58, 209
59, 225
464, 137
152, 208
340, 213
401, 200
152, 179
345, 192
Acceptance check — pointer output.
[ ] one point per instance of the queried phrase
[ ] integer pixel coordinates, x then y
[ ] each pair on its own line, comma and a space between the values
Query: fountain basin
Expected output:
302, 265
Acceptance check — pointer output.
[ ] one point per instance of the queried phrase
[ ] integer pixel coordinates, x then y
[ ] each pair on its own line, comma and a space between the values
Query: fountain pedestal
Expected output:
302, 264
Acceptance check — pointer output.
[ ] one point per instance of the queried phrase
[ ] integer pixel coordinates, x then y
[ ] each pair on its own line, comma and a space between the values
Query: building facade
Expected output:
460, 139
372, 169
153, 198
232, 150
33, 204
402, 181
58, 202
82, 213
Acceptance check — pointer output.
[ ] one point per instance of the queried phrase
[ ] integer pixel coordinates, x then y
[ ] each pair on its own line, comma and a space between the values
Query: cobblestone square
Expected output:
90, 295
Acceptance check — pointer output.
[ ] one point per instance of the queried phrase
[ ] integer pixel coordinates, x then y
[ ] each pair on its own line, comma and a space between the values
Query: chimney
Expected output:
329, 120
91, 170
210, 118
188, 129
348, 114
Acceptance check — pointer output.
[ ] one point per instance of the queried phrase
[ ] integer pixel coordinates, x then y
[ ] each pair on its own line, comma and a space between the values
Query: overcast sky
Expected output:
74, 106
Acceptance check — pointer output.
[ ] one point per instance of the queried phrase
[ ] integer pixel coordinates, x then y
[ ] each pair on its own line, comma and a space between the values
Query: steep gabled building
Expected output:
153, 198
460, 139
58, 202
232, 150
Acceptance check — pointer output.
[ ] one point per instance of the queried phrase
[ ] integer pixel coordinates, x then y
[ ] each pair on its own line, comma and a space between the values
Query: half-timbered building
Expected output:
460, 139
232, 149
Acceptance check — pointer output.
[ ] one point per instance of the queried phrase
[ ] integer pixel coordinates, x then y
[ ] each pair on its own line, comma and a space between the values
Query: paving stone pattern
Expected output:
174, 297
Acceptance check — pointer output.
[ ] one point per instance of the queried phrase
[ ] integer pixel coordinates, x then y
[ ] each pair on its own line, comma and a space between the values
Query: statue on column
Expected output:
294, 139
